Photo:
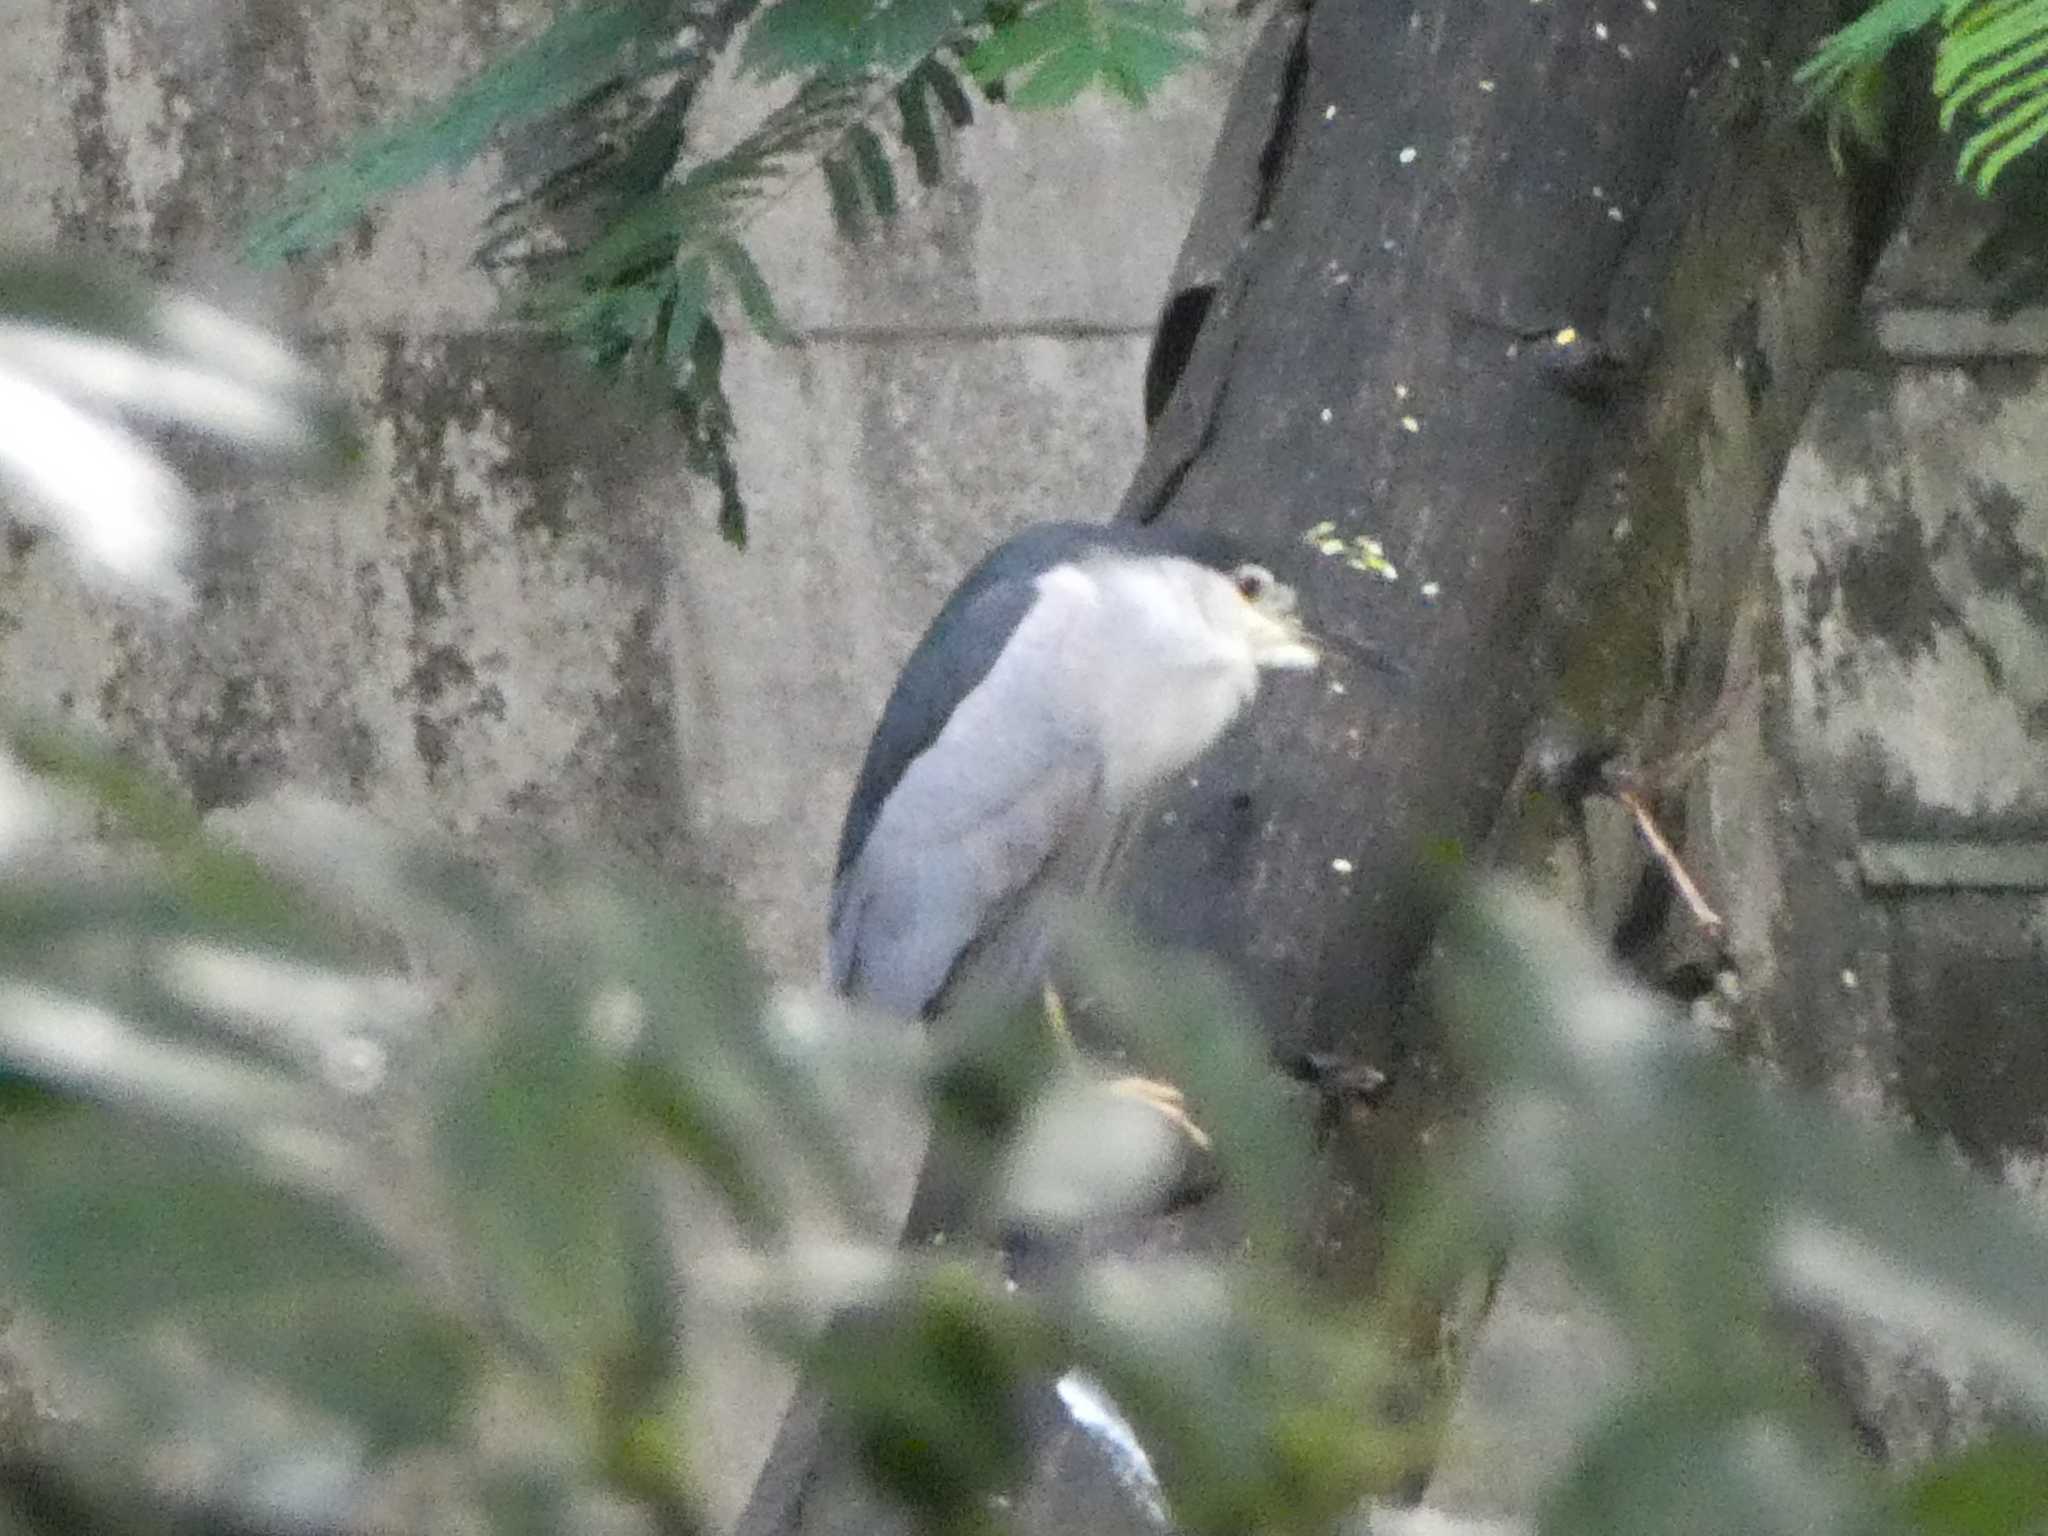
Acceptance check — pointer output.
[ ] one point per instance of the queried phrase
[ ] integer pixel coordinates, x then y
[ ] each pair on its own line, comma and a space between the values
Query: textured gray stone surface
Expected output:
1889, 685
1899, 659
1909, 545
519, 620
1908, 548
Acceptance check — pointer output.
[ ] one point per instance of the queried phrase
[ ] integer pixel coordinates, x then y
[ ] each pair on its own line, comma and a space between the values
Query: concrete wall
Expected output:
519, 619
1872, 819
1876, 811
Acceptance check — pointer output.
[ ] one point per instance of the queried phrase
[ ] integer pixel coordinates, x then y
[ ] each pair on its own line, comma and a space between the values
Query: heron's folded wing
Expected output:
987, 831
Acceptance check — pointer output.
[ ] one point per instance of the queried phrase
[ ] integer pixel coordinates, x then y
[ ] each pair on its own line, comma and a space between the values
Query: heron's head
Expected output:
1207, 604
1258, 610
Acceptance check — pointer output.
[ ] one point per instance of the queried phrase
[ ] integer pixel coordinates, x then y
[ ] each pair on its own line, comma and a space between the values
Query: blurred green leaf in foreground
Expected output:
1692, 1201
196, 1210
95, 367
193, 1210
326, 1155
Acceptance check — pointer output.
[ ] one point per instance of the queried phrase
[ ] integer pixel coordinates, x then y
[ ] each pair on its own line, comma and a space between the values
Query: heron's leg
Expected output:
1165, 1100
1161, 1098
1056, 1018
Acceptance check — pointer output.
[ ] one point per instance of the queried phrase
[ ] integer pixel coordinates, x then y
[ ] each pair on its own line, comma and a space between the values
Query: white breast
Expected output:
1136, 648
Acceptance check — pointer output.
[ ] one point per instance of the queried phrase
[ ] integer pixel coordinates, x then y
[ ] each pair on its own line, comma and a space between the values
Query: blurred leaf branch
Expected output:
265, 1290
1695, 1203
97, 370
197, 1214
325, 1152
195, 1211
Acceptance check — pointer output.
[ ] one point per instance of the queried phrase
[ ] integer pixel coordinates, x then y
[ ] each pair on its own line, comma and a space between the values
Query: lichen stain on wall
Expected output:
1903, 529
523, 586
517, 621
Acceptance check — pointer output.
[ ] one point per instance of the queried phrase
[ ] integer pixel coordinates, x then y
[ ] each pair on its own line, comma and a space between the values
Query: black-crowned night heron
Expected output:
1071, 674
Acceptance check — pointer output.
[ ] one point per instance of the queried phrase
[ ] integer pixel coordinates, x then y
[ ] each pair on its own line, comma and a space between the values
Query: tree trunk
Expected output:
1532, 296
1535, 297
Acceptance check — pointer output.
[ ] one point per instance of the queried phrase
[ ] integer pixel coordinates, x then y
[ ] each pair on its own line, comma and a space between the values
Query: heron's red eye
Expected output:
1252, 582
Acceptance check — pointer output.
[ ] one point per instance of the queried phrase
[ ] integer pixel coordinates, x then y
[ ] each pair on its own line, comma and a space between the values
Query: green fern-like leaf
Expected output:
946, 90
692, 307
1863, 42
930, 82
1989, 151
1147, 43
1028, 39
1051, 53
583, 52
639, 297
710, 203
850, 37
876, 174
1060, 75
709, 430
617, 151
627, 248
1991, 72
751, 288
842, 187
1981, 52
920, 134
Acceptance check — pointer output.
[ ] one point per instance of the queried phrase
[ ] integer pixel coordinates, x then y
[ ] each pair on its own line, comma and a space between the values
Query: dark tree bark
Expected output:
1532, 295
1377, 354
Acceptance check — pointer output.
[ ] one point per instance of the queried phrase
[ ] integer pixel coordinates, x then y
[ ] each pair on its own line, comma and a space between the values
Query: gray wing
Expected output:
980, 845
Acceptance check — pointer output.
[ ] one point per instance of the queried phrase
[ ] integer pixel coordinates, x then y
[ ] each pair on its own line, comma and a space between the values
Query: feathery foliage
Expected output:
852, 37
631, 247
587, 50
1990, 72
1058, 50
